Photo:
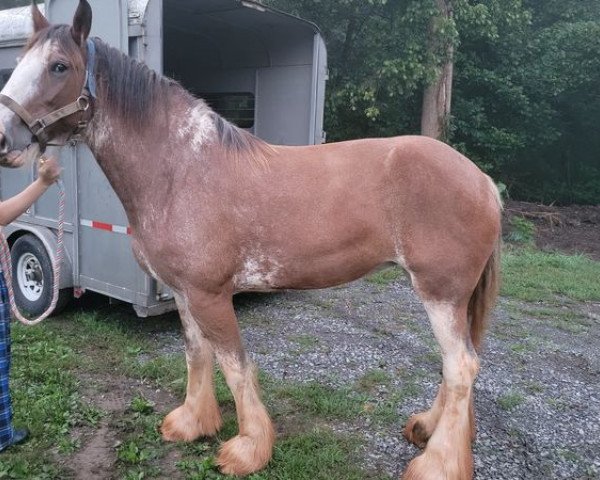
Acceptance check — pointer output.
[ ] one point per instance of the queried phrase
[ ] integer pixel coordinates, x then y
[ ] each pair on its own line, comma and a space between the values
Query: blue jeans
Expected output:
6, 428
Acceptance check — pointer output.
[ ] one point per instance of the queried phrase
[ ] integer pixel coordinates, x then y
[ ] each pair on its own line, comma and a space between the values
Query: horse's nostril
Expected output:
3, 144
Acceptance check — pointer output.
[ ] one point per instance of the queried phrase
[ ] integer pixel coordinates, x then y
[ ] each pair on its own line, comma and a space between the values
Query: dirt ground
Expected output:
572, 229
537, 396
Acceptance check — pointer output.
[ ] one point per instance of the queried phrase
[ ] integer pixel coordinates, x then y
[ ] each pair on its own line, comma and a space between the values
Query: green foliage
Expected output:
526, 96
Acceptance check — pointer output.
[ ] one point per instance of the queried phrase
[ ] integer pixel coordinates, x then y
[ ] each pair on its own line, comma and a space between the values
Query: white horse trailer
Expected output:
260, 68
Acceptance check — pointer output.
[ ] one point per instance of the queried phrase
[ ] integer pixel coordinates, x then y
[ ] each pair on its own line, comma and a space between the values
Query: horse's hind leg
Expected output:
199, 416
421, 426
252, 448
448, 452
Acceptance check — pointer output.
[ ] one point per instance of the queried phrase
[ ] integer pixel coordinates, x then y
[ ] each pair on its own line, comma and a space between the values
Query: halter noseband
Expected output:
38, 126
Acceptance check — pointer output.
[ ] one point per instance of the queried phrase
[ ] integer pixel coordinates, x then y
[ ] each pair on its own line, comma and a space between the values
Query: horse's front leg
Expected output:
199, 416
252, 448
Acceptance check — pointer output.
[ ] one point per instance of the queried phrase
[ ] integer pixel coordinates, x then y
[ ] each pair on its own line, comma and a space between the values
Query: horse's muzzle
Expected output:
12, 159
8, 158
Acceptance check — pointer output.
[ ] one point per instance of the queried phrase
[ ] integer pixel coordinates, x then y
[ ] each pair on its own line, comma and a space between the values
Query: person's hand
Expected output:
48, 170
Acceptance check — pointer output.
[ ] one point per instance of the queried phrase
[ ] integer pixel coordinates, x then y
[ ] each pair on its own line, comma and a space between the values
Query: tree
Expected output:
437, 96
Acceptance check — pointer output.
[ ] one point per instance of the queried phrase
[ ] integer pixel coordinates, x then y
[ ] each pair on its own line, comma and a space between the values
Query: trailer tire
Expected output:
33, 278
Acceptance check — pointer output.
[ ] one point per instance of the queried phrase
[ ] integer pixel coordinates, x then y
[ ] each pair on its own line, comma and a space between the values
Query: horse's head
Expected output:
46, 96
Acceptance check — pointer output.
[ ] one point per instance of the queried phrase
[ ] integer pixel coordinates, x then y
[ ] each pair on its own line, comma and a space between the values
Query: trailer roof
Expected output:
15, 23
236, 34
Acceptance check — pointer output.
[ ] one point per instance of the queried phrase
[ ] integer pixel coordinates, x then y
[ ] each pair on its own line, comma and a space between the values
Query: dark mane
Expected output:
241, 143
129, 88
137, 93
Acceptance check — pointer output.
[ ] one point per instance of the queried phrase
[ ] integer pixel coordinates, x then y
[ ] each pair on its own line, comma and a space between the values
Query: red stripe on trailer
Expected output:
107, 227
102, 226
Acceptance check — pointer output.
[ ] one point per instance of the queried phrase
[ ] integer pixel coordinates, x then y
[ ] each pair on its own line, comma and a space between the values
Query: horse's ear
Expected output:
39, 21
82, 22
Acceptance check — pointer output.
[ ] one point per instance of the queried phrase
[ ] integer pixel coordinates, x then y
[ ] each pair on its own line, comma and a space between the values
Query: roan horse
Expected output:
249, 216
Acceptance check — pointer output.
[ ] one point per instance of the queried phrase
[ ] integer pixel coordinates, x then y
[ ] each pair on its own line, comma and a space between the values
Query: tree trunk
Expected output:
438, 95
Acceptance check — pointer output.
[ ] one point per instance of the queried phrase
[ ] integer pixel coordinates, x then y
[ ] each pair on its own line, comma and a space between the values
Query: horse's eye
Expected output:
59, 68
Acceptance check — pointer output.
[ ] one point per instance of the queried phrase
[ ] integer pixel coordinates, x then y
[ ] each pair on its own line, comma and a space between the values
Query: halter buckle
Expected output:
38, 126
83, 102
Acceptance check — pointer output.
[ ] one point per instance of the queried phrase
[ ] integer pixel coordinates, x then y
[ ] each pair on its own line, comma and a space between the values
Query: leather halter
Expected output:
38, 126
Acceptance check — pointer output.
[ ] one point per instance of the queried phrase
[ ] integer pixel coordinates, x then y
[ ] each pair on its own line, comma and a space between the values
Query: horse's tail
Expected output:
484, 296
486, 292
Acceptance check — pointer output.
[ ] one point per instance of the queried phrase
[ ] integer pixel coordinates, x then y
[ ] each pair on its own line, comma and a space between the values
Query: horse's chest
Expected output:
144, 261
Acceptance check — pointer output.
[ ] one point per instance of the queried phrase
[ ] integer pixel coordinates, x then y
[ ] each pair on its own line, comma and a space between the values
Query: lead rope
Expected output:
56, 263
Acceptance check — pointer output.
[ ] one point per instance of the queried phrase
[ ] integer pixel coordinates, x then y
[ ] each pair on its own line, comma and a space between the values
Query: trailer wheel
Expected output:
33, 278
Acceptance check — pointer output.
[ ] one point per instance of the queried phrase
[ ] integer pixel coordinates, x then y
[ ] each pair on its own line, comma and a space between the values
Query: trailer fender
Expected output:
49, 239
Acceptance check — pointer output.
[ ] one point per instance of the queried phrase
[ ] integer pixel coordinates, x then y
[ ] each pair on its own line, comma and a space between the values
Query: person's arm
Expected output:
10, 209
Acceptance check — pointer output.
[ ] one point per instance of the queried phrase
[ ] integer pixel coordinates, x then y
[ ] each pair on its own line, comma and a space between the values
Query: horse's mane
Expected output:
135, 94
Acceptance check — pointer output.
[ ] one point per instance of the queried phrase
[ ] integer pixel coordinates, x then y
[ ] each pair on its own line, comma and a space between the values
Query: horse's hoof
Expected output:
416, 431
181, 425
243, 455
432, 465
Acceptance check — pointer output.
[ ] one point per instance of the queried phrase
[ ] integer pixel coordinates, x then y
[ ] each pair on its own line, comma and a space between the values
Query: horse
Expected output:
249, 216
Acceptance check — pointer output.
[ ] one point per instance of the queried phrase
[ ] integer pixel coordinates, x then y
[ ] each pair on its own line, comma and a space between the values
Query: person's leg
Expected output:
6, 429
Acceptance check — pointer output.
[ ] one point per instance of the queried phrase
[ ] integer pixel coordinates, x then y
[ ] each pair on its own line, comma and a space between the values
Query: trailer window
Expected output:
4, 76
236, 107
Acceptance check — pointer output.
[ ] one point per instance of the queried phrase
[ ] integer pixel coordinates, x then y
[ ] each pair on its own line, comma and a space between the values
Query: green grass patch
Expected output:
49, 360
319, 400
46, 400
511, 400
305, 342
386, 276
521, 231
533, 275
372, 379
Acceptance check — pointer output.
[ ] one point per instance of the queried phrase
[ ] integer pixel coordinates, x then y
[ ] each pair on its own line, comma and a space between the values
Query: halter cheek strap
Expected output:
38, 126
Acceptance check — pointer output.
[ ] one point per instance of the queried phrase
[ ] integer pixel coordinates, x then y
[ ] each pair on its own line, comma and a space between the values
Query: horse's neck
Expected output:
137, 164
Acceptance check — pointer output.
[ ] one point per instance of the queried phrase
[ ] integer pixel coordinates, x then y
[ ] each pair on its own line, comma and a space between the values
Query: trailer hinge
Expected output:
136, 30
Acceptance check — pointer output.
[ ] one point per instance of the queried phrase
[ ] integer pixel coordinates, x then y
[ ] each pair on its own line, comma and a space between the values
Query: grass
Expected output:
372, 379
45, 393
306, 343
533, 275
510, 400
385, 276
50, 361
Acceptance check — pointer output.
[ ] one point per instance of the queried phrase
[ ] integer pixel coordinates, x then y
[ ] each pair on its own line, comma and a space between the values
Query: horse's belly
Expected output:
312, 270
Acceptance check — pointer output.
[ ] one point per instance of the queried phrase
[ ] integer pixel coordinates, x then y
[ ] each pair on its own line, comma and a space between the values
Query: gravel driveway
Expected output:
537, 394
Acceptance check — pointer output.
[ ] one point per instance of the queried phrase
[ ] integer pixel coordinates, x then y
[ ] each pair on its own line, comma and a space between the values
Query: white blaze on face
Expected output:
25, 80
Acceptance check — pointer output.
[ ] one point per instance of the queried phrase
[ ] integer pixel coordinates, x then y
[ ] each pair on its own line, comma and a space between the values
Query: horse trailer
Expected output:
260, 68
